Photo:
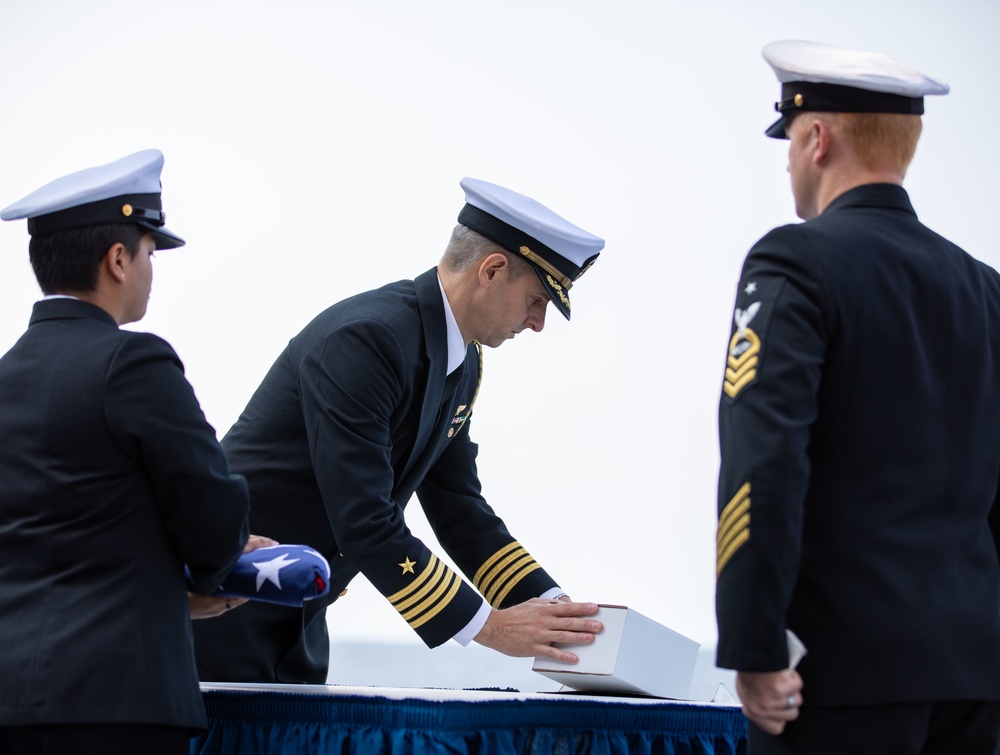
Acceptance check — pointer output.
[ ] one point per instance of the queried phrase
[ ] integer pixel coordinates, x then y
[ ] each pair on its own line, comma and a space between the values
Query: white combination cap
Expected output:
559, 251
825, 78
125, 191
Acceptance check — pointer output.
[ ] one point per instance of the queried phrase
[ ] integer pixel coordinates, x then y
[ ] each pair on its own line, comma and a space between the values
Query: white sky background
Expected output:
314, 149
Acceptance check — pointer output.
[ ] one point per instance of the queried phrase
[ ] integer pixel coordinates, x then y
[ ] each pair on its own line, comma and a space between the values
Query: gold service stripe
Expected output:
440, 574
456, 582
424, 575
734, 502
727, 522
740, 526
488, 563
489, 581
517, 578
511, 564
734, 527
731, 551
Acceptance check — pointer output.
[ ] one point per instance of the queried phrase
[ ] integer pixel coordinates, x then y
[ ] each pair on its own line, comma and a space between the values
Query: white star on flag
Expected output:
268, 570
751, 287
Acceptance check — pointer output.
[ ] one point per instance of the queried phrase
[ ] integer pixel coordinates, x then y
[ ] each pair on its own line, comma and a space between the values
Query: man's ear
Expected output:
115, 261
494, 267
820, 140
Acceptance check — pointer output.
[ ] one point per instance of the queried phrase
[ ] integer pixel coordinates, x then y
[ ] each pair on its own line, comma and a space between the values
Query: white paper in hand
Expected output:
796, 650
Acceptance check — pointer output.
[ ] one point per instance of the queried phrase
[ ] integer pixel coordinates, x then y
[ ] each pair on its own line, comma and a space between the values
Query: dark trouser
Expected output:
925, 728
94, 739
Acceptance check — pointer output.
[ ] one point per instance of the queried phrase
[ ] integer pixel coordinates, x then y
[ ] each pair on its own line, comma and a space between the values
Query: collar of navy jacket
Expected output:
889, 196
68, 309
440, 390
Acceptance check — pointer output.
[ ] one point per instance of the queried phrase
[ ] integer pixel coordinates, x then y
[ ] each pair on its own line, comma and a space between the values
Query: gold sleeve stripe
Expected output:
501, 571
488, 564
428, 602
731, 550
416, 583
438, 575
511, 566
740, 526
734, 527
733, 511
428, 595
456, 582
513, 583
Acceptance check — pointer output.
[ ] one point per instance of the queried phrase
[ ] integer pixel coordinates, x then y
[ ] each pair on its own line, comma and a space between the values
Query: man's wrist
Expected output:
554, 593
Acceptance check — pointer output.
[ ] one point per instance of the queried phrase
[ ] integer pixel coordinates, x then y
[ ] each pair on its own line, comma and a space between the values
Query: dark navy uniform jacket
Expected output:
860, 438
111, 481
354, 417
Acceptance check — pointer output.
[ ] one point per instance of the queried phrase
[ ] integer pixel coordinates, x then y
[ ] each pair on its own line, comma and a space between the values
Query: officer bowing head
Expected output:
501, 237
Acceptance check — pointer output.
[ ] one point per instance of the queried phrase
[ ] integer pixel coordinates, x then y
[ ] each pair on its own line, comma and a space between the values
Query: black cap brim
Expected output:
164, 238
558, 294
777, 129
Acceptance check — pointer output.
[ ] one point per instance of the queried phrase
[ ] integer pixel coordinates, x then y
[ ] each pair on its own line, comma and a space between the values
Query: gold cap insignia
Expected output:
547, 266
559, 291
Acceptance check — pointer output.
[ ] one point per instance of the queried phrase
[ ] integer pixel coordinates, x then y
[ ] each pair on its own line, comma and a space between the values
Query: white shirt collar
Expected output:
456, 345
59, 296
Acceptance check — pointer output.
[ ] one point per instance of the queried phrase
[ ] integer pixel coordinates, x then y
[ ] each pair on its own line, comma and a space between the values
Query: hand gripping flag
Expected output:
287, 575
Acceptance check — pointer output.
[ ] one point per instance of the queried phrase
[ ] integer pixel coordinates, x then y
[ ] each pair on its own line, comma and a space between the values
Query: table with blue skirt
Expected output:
282, 719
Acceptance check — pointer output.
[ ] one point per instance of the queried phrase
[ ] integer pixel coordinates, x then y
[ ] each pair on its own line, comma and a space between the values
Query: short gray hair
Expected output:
467, 247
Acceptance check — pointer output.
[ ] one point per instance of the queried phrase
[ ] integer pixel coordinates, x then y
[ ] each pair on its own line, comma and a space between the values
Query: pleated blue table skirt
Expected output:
250, 720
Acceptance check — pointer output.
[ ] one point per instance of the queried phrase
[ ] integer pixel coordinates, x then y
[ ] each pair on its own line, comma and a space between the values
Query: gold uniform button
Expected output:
799, 100
126, 210
342, 593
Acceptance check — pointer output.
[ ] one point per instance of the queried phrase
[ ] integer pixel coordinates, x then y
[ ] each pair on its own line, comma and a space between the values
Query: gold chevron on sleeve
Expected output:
741, 366
501, 572
734, 527
427, 595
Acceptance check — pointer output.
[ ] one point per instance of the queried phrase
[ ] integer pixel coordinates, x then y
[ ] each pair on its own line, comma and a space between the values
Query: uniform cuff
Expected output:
468, 633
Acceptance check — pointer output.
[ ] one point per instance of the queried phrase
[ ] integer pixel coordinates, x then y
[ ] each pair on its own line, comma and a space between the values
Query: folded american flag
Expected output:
287, 575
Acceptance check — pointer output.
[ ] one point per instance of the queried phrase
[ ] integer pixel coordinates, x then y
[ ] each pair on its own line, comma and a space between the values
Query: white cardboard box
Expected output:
633, 655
